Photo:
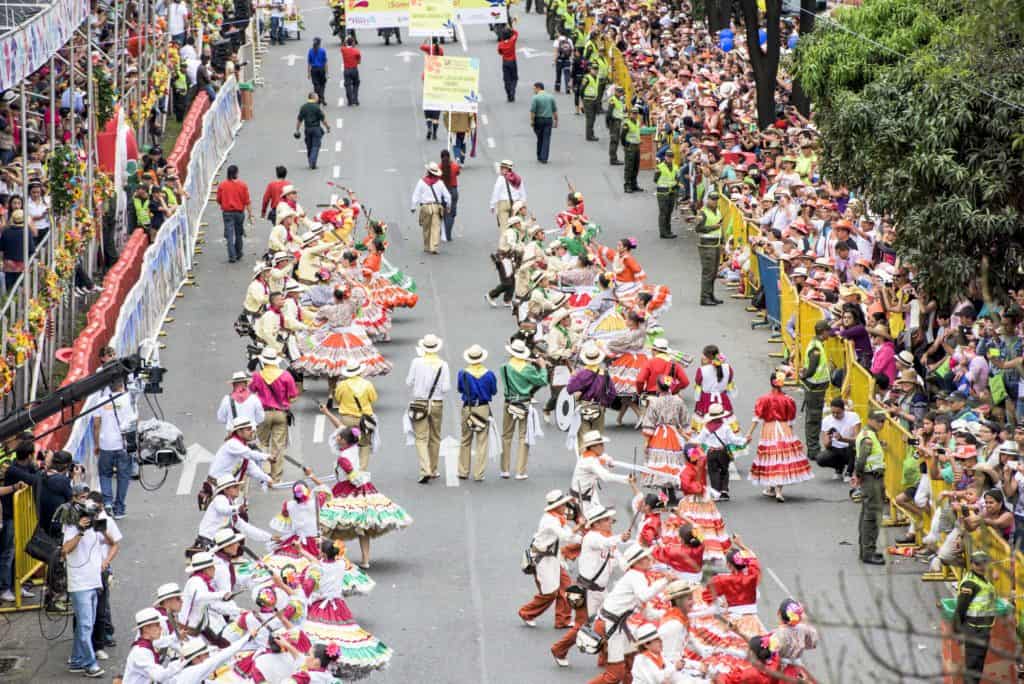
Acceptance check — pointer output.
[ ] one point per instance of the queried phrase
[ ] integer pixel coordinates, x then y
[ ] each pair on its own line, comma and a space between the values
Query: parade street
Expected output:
448, 587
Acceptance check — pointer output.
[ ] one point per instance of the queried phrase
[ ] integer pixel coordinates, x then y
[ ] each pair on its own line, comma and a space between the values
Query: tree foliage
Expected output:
919, 106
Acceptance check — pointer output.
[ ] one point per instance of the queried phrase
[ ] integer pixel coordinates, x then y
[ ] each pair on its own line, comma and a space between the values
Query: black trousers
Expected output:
510, 75
839, 459
352, 86
103, 625
718, 469
318, 75
975, 651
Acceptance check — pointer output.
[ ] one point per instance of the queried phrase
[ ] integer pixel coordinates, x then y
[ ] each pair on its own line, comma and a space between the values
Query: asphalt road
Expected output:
448, 587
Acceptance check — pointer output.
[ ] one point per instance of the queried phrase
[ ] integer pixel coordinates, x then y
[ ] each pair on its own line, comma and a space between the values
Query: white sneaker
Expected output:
562, 662
7, 596
102, 655
836, 476
504, 475
522, 476
494, 304
25, 593
529, 623
846, 478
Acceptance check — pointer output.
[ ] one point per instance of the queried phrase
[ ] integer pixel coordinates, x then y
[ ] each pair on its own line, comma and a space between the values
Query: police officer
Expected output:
591, 100
975, 614
815, 376
666, 178
869, 475
616, 113
709, 244
631, 145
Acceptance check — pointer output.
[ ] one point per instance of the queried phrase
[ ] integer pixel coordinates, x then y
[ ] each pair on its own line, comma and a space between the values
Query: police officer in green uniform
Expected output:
666, 179
975, 615
616, 113
709, 245
553, 21
591, 100
869, 475
604, 71
815, 376
631, 149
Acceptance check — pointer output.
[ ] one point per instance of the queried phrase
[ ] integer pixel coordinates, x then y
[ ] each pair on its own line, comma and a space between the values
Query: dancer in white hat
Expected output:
508, 189
429, 380
144, 663
432, 199
237, 458
239, 402
553, 532
477, 386
521, 377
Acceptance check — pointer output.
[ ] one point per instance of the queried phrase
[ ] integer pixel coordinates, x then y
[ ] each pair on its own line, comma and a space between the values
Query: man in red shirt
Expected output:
350, 58
272, 195
661, 364
233, 198
509, 67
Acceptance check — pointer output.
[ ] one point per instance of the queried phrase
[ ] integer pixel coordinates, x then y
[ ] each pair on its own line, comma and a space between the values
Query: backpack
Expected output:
564, 48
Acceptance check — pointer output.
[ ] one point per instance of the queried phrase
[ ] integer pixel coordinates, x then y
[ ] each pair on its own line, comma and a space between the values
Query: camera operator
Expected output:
84, 556
20, 474
56, 489
110, 542
838, 431
111, 424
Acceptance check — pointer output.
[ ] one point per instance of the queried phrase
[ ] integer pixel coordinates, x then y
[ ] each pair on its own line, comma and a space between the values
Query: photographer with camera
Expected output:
110, 425
110, 544
839, 429
83, 553
56, 489
20, 474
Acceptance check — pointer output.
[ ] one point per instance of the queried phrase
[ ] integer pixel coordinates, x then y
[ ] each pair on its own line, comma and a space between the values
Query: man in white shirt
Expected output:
200, 596
236, 458
110, 545
240, 402
84, 558
553, 532
429, 380
177, 15
109, 422
188, 53
200, 664
223, 512
508, 188
433, 200
144, 664
838, 431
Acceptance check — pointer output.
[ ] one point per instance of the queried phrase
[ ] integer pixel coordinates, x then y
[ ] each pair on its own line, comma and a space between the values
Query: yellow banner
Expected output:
451, 84
480, 11
376, 13
431, 17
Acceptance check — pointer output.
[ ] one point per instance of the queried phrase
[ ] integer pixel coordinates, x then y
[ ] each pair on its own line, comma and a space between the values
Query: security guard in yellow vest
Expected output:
709, 245
815, 376
616, 113
666, 180
975, 614
604, 71
631, 147
869, 475
591, 100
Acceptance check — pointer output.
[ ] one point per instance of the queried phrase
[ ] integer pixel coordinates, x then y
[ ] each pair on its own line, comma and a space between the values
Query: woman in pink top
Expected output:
884, 359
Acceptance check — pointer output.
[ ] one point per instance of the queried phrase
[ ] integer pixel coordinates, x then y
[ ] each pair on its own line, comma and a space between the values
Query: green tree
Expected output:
919, 109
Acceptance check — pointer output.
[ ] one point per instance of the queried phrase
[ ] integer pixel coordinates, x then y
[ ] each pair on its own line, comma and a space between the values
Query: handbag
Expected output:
517, 410
418, 408
588, 640
590, 412
42, 545
527, 563
367, 424
476, 422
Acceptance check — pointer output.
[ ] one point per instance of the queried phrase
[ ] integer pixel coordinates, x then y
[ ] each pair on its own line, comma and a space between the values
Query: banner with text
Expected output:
431, 17
362, 14
451, 84
480, 11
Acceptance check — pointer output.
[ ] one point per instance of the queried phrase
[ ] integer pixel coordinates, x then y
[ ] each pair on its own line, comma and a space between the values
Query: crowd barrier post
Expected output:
25, 566
835, 351
789, 317
860, 385
894, 443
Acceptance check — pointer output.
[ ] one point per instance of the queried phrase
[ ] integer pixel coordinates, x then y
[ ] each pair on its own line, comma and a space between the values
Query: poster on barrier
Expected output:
362, 14
470, 12
451, 84
431, 17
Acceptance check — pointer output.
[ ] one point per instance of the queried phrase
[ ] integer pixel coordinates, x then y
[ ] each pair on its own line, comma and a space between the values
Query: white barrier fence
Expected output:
168, 259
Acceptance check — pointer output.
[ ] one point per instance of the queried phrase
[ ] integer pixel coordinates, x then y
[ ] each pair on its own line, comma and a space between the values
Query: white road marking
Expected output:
290, 59
734, 474
339, 123
490, 143
530, 53
450, 454
334, 200
336, 171
194, 455
390, 170
483, 118
475, 592
321, 421
405, 55
341, 101
337, 146
785, 589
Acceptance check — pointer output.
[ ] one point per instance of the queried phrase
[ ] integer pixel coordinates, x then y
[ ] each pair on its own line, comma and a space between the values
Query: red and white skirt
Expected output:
781, 458
708, 523
326, 352
665, 447
623, 372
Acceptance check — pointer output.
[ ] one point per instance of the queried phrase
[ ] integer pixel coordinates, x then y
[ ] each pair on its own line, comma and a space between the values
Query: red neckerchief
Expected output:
280, 315
266, 288
206, 580
674, 613
231, 566
148, 645
656, 659
561, 518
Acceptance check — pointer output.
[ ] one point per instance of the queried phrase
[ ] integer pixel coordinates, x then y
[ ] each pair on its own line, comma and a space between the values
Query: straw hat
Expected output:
430, 343
880, 331
194, 648
905, 359
200, 561
507, 163
475, 354
224, 482
225, 537
352, 369
281, 256
147, 616
599, 515
167, 591
293, 286
261, 267
908, 375
238, 376
799, 271
269, 356
240, 423
646, 633
556, 498
284, 212
518, 349
308, 239
433, 169
716, 411
591, 354
1008, 447
634, 553
287, 190
593, 437
678, 589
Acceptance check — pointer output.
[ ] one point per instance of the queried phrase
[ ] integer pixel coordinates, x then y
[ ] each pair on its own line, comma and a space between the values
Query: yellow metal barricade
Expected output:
620, 74
894, 444
835, 351
754, 274
789, 311
860, 384
25, 566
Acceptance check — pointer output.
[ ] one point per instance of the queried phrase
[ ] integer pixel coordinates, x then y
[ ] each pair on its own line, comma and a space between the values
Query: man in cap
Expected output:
553, 532
144, 663
708, 224
314, 125
428, 380
869, 469
276, 389
432, 199
666, 180
239, 402
591, 88
975, 614
616, 115
630, 133
509, 188
815, 376
599, 554
477, 386
626, 597
521, 377
354, 397
236, 457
